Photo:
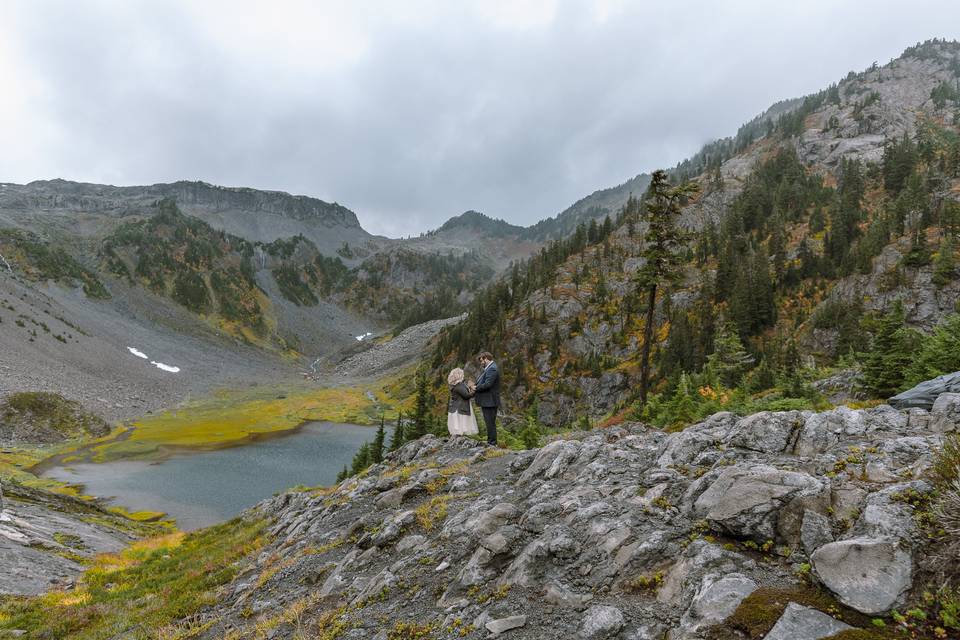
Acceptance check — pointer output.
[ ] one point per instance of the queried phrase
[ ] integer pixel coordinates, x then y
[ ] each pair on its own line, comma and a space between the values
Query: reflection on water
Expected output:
200, 489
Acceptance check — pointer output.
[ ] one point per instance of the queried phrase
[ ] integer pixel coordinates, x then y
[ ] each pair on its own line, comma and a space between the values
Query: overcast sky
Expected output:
410, 112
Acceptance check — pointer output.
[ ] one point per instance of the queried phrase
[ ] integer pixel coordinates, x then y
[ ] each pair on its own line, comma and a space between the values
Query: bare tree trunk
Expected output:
647, 340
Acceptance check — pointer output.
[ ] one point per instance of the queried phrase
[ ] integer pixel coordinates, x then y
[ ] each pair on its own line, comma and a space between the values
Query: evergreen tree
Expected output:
944, 267
662, 244
899, 159
919, 254
682, 407
729, 360
885, 364
555, 343
939, 353
398, 436
421, 416
361, 459
376, 449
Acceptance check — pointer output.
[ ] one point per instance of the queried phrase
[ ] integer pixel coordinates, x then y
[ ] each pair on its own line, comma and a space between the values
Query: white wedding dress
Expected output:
461, 425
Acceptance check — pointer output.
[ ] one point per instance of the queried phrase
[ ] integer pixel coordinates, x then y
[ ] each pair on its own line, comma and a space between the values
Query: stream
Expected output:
199, 489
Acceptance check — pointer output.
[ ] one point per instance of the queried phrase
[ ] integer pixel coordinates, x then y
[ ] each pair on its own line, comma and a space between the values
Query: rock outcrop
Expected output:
627, 532
926, 393
45, 538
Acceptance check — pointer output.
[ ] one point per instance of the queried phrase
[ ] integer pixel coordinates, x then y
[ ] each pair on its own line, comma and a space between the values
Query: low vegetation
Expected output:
42, 261
51, 413
142, 591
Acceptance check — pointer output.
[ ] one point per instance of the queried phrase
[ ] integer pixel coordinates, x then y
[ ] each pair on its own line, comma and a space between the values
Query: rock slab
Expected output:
868, 574
803, 623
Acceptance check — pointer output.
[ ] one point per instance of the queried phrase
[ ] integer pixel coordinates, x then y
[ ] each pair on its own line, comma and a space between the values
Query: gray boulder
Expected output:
945, 414
760, 501
601, 622
926, 393
767, 432
716, 601
868, 574
804, 623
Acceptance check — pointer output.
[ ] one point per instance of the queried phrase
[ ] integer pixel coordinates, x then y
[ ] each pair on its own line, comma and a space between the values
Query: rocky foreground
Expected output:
627, 533
46, 538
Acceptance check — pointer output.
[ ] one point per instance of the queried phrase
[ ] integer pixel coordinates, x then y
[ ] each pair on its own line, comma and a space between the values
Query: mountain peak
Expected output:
476, 221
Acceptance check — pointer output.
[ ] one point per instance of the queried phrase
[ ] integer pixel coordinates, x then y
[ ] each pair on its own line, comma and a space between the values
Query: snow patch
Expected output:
364, 336
158, 365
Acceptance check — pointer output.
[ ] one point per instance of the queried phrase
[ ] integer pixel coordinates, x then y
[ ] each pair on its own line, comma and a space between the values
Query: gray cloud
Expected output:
409, 113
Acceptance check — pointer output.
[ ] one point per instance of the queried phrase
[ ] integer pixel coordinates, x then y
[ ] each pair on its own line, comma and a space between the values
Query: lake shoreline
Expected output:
200, 486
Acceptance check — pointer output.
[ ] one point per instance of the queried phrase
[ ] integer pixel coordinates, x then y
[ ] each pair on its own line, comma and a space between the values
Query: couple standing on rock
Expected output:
485, 391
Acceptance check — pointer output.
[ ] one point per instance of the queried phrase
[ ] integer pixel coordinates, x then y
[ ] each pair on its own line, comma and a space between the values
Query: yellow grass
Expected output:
229, 418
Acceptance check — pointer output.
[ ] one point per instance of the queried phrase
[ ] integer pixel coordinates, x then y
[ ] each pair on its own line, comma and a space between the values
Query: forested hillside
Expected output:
221, 276
813, 234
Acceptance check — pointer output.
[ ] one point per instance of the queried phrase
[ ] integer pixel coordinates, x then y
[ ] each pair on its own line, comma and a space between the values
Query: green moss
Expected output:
759, 611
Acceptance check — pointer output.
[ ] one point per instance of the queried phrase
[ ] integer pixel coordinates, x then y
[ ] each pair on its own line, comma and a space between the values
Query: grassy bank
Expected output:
231, 417
142, 591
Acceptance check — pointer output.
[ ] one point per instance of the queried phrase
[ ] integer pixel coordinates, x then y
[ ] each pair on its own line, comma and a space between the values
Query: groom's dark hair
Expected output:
485, 355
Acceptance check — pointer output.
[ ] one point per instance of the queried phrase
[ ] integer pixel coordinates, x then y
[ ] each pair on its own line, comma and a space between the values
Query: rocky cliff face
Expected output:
626, 533
258, 216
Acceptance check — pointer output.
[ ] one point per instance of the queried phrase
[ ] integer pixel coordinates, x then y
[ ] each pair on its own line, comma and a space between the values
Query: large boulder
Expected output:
761, 502
945, 414
870, 575
926, 393
823, 431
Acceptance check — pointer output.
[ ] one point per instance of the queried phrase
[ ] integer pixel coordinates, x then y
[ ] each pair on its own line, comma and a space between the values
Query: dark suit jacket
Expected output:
459, 399
488, 387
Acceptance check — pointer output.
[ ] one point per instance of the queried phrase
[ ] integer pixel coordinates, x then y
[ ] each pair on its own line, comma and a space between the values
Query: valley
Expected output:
699, 439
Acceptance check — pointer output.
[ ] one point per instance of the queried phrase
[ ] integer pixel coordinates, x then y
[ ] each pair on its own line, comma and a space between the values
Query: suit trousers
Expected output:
490, 418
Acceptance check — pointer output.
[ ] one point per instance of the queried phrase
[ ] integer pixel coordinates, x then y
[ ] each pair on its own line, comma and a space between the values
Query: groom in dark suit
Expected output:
488, 394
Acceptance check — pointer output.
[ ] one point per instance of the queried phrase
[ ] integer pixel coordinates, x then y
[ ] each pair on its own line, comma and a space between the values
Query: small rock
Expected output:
648, 631
804, 623
502, 625
410, 542
558, 595
601, 622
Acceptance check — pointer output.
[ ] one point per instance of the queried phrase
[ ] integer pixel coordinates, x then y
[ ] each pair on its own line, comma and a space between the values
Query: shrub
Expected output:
946, 462
946, 469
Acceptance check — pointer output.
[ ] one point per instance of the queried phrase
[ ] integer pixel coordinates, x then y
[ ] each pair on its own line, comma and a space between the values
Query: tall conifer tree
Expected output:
663, 242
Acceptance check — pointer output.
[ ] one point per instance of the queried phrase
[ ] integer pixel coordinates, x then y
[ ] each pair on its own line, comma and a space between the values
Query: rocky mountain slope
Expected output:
734, 528
816, 218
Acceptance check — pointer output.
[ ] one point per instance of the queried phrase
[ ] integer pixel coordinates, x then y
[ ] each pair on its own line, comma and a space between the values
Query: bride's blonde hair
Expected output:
455, 377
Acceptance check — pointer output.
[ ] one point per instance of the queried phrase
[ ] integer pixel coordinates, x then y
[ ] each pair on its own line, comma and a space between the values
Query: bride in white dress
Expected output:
460, 418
